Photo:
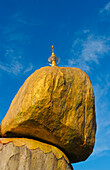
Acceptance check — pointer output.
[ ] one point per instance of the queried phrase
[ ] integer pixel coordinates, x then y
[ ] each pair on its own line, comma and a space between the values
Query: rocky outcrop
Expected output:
55, 105
15, 154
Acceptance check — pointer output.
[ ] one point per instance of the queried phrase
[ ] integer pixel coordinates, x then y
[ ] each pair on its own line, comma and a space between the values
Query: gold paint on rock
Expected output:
56, 105
34, 144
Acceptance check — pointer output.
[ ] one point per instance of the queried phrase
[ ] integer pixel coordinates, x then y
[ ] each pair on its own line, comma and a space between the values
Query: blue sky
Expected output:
80, 33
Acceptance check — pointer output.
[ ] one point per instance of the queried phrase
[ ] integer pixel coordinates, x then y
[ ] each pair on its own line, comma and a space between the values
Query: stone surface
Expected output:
34, 144
55, 105
13, 157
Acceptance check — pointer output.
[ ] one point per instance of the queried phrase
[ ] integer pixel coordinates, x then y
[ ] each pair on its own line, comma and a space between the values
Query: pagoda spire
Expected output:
52, 58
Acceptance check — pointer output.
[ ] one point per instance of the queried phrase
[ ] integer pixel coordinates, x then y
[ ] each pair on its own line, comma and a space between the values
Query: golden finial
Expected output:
52, 58
52, 48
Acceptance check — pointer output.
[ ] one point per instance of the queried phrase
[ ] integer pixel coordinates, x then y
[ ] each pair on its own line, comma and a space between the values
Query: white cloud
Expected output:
14, 64
14, 67
106, 9
4, 68
88, 50
13, 46
102, 89
85, 31
29, 68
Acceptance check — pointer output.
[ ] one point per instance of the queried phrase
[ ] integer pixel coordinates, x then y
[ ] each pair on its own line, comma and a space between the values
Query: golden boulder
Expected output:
55, 105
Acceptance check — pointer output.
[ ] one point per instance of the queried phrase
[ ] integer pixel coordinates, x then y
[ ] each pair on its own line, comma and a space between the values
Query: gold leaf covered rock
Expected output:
55, 105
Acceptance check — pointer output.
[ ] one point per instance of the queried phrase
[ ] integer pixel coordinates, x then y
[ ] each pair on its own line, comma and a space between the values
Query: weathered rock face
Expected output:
23, 158
55, 105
